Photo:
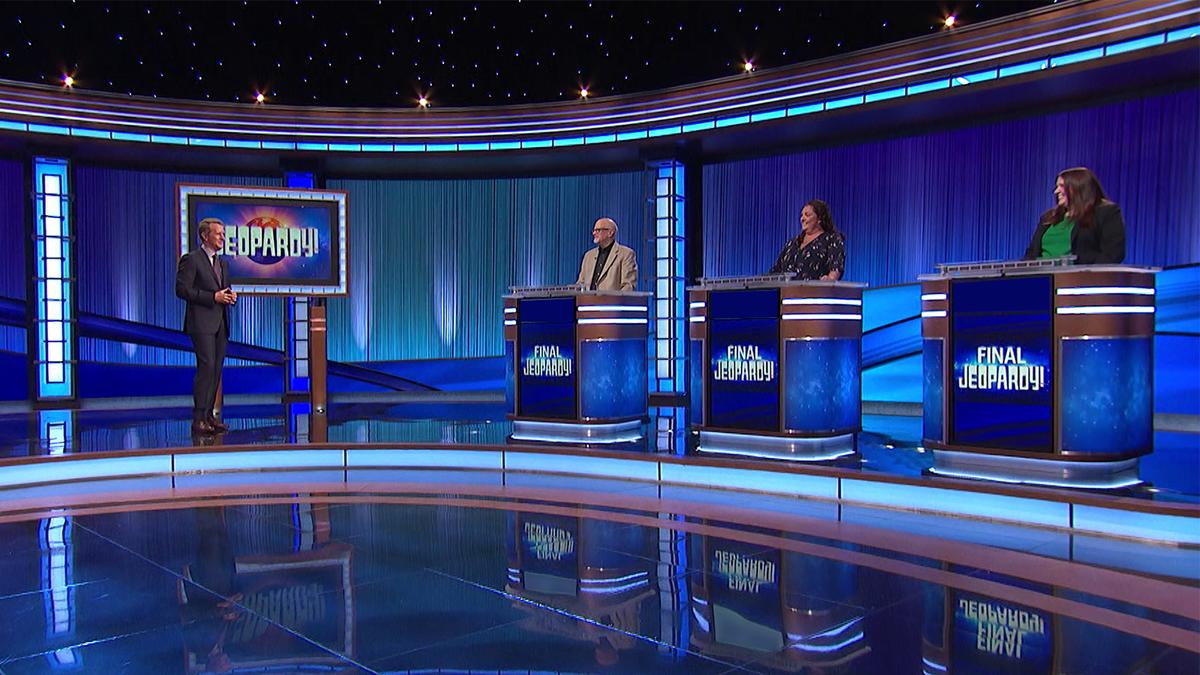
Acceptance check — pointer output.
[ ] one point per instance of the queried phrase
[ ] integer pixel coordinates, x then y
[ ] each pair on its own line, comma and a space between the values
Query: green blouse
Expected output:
1056, 240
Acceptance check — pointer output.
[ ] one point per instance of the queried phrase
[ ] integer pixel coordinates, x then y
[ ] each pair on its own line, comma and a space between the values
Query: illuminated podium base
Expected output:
1102, 475
819, 449
602, 433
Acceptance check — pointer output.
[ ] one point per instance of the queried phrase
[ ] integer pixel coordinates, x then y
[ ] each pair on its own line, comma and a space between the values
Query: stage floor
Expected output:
448, 583
888, 444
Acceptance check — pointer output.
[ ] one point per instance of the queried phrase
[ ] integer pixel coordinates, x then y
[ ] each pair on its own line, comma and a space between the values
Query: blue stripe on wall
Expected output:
430, 259
128, 227
968, 194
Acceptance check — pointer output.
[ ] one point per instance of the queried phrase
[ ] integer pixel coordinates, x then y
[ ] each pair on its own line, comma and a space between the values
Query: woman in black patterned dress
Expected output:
818, 252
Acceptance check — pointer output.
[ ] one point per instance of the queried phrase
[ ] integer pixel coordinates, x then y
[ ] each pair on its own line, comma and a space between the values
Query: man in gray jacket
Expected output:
610, 266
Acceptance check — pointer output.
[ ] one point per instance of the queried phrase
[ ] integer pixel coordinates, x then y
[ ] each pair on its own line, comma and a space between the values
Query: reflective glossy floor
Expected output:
441, 583
888, 444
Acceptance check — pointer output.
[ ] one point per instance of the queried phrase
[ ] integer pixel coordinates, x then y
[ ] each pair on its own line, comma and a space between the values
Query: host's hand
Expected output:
232, 296
224, 297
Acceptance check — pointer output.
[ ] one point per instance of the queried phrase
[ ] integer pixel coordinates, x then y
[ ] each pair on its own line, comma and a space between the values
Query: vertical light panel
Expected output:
667, 346
55, 431
296, 323
54, 308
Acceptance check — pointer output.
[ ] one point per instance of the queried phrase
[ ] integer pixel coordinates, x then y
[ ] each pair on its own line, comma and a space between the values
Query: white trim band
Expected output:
637, 322
822, 301
611, 308
933, 314
931, 297
1105, 309
822, 317
1107, 290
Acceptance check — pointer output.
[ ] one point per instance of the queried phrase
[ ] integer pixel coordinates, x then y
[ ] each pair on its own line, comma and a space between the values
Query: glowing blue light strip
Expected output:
616, 580
610, 322
822, 317
609, 467
821, 487
108, 467
935, 666
54, 254
599, 122
612, 308
616, 589
1105, 309
259, 459
829, 648
933, 314
781, 455
431, 458
932, 297
822, 301
1117, 522
1107, 290
565, 438
957, 502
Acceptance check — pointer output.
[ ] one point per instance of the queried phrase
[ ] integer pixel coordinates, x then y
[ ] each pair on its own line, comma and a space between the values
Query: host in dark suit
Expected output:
610, 266
201, 280
1083, 222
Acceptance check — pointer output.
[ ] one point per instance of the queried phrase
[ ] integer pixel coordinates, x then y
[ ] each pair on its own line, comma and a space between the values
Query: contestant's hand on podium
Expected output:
225, 297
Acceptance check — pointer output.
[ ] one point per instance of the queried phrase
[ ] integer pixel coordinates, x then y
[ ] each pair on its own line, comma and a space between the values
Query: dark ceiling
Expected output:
387, 54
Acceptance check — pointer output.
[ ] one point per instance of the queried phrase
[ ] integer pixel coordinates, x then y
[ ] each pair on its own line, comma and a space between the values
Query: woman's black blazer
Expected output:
1103, 242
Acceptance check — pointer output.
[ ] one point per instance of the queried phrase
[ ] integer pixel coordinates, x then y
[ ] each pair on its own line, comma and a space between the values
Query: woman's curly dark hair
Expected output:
823, 215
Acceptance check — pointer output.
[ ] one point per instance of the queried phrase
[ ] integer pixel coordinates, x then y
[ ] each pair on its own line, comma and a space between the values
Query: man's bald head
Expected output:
604, 232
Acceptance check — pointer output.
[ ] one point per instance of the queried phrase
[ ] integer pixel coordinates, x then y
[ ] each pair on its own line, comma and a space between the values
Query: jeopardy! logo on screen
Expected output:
277, 241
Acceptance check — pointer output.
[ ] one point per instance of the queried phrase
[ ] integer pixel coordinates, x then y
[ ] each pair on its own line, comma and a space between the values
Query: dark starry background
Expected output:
386, 54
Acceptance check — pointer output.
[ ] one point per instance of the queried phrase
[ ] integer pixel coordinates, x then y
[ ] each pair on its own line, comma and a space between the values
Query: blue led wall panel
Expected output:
743, 359
1106, 395
822, 392
13, 205
973, 193
430, 259
54, 260
127, 261
611, 379
933, 391
1001, 333
696, 381
546, 372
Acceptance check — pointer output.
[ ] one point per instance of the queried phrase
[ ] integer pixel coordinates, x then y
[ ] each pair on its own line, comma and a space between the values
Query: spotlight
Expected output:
950, 21
584, 93
68, 81
423, 102
259, 98
748, 66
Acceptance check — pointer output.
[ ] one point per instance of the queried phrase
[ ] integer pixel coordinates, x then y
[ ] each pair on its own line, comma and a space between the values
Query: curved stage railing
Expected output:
48, 478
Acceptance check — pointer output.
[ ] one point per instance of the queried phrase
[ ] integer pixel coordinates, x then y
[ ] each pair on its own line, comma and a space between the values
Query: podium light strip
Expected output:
695, 319
931, 297
1104, 290
510, 310
695, 305
1031, 480
822, 301
1105, 309
610, 322
933, 314
510, 322
612, 308
822, 317
781, 455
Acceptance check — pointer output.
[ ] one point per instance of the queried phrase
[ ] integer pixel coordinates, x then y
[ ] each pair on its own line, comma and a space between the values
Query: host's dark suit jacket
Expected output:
1103, 242
196, 284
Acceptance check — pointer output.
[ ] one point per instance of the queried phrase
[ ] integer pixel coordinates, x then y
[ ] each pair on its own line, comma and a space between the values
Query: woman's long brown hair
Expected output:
1084, 193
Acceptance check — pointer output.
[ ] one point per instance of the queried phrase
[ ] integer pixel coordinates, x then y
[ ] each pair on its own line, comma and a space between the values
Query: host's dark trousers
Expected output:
210, 356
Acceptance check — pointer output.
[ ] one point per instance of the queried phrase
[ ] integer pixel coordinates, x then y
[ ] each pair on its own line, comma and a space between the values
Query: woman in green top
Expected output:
1083, 222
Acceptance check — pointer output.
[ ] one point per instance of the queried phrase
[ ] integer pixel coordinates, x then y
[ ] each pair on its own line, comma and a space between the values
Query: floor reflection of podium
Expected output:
576, 364
778, 608
775, 367
1039, 371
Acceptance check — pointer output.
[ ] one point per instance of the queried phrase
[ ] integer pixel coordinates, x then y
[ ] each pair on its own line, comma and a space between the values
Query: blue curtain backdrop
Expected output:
127, 225
430, 259
12, 256
968, 194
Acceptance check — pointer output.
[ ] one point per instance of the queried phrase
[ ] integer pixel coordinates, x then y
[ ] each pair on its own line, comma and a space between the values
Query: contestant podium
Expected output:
1039, 371
775, 366
576, 364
